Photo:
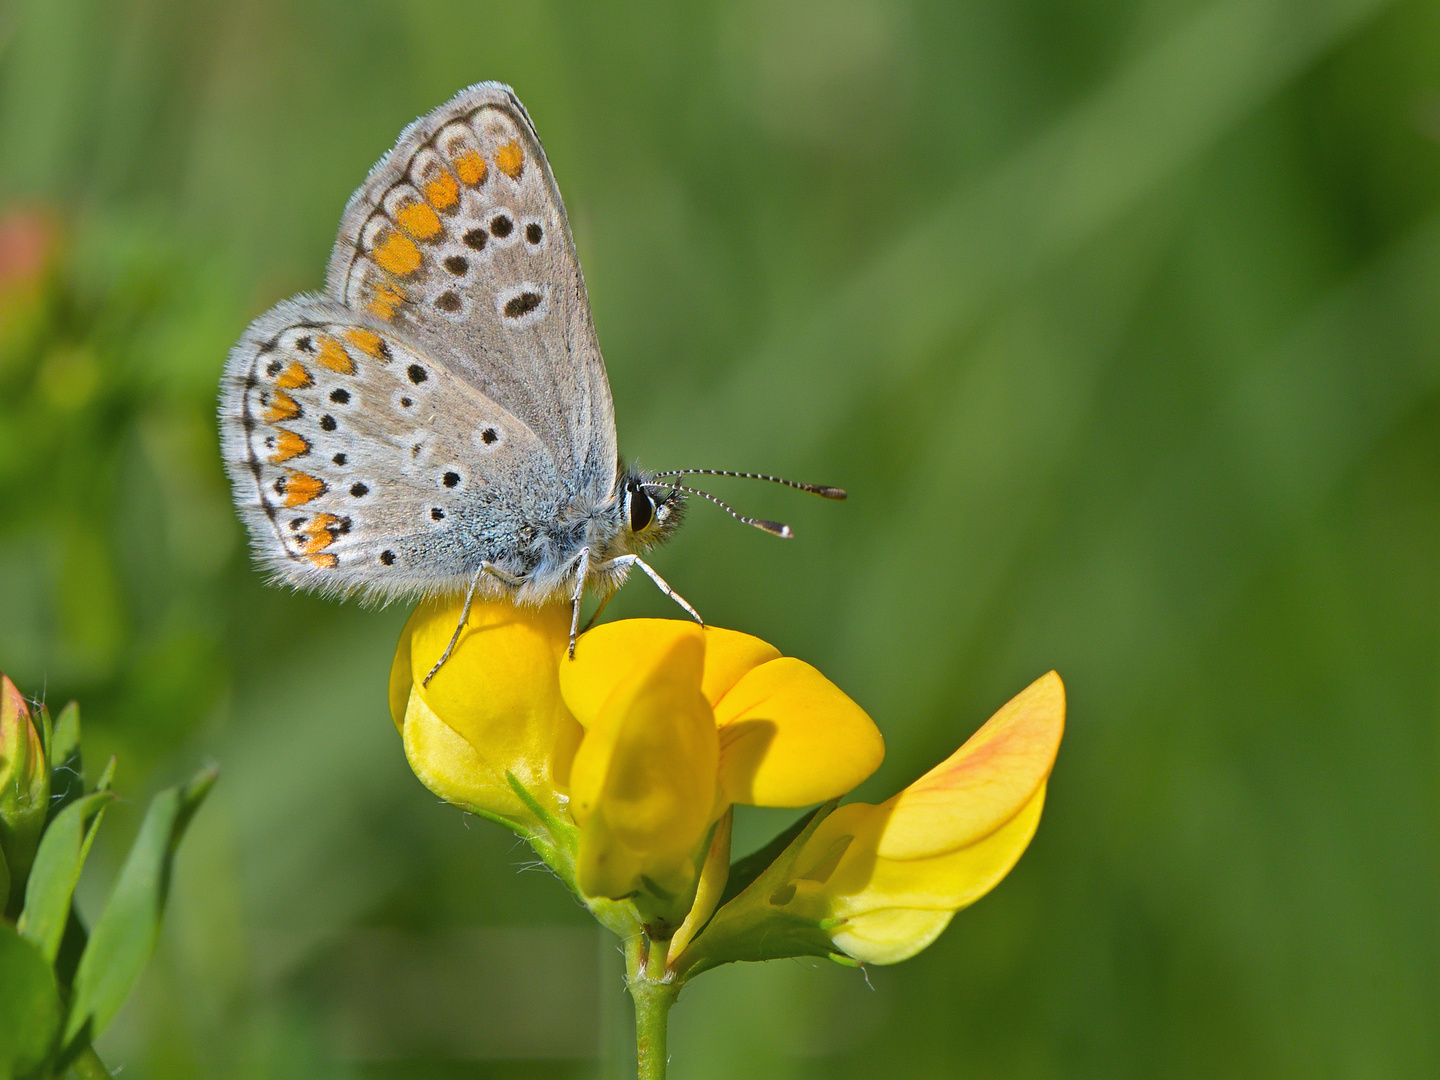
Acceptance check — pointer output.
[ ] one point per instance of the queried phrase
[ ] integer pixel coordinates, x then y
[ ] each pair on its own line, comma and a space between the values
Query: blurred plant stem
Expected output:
653, 998
88, 1065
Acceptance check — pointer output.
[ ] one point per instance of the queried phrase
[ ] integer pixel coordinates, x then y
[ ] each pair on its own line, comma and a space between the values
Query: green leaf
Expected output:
56, 870
125, 934
29, 1006
67, 776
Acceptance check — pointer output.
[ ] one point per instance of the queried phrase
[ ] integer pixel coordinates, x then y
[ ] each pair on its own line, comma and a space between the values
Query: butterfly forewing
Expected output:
458, 240
361, 462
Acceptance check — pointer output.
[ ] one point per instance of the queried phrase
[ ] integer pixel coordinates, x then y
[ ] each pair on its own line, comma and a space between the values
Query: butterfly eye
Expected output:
642, 510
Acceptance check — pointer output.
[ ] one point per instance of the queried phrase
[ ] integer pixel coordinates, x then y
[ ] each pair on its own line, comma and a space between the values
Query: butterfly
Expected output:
439, 419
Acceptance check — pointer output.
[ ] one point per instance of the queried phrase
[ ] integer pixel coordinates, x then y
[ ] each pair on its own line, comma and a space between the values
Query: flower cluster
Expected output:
621, 767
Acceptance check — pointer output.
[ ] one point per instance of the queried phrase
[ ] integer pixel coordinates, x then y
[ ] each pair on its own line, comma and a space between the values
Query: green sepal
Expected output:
744, 871
753, 925
30, 1008
57, 868
67, 773
47, 729
557, 848
126, 932
555, 842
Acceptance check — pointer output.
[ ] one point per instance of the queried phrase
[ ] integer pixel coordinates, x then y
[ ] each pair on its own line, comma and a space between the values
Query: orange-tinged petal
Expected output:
861, 880
984, 783
790, 737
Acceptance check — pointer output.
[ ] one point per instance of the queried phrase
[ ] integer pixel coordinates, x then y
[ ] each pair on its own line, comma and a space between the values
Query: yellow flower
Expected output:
880, 883
492, 711
644, 740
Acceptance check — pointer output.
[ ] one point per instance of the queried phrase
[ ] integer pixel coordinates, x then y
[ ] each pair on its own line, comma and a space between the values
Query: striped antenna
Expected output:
774, 528
814, 489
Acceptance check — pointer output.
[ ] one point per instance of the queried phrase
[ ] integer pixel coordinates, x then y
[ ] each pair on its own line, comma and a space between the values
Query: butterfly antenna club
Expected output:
774, 528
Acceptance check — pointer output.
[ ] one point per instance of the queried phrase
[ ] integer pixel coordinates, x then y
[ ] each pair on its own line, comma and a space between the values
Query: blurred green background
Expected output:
1120, 319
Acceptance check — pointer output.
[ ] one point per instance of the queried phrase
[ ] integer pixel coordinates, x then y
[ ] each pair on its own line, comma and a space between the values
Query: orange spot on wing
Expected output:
287, 446
511, 160
470, 167
324, 560
293, 377
300, 488
368, 342
333, 356
398, 254
282, 407
418, 220
442, 192
385, 301
319, 533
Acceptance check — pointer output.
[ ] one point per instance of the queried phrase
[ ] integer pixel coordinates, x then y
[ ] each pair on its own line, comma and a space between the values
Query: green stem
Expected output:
88, 1065
652, 1012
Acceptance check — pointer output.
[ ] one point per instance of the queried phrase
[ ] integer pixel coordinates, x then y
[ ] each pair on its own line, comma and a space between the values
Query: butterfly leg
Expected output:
484, 568
664, 586
582, 571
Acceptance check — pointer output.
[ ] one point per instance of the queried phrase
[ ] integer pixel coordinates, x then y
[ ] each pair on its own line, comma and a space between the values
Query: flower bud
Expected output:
24, 785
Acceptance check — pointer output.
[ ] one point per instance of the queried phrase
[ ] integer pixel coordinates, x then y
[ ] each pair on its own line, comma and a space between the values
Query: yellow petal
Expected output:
983, 784
605, 656
451, 768
890, 935
790, 737
644, 776
729, 655
498, 689
606, 867
401, 678
862, 881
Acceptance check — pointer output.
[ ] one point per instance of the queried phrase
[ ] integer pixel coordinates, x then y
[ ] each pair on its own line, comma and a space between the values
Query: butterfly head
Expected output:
649, 511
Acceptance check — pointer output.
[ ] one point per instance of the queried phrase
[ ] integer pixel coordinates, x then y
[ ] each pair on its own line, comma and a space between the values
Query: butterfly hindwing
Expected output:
361, 463
459, 240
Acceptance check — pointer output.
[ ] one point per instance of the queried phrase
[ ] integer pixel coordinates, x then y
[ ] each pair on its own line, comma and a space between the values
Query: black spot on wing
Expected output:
523, 304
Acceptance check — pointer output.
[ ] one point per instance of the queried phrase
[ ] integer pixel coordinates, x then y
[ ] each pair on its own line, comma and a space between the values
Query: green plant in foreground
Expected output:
59, 984
621, 768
